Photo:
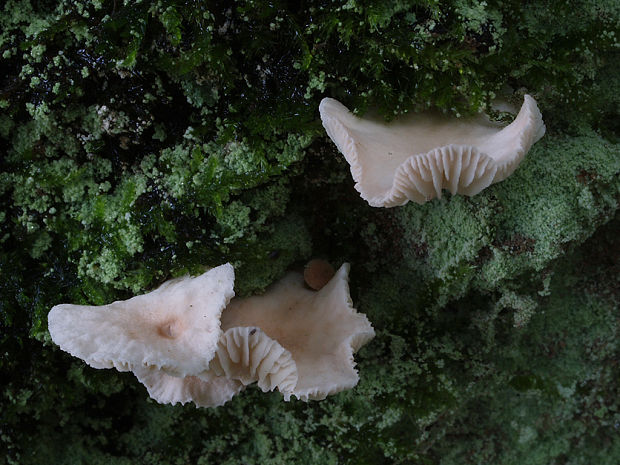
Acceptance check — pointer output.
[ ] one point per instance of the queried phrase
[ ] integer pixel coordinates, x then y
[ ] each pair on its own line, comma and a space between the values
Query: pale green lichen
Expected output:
523, 307
480, 16
517, 226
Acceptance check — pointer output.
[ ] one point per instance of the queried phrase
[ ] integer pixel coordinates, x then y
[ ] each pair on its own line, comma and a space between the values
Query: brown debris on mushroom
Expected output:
317, 273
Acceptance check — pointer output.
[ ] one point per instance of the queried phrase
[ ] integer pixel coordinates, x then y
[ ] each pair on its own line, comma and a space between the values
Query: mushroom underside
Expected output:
415, 157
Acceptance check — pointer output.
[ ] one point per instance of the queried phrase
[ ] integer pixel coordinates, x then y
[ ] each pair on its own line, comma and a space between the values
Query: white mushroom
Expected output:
205, 390
320, 329
174, 328
415, 157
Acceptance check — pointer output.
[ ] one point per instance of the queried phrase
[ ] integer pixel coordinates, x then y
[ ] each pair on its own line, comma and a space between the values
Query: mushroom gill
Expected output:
320, 329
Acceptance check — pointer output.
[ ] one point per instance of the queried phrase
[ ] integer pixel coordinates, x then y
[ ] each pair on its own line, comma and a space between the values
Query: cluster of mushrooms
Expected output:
191, 340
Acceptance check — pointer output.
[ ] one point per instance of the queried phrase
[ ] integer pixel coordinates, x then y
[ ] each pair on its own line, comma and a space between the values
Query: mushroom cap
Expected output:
416, 156
320, 329
248, 355
174, 328
205, 390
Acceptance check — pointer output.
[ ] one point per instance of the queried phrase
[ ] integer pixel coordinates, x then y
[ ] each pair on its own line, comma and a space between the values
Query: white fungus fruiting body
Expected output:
174, 328
320, 329
415, 157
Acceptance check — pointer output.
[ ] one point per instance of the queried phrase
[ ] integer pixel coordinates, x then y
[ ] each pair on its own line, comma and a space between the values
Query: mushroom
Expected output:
319, 329
415, 157
174, 328
205, 389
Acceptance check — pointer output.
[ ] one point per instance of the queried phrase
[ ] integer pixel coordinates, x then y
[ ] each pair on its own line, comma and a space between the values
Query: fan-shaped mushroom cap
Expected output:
247, 354
415, 157
174, 328
321, 330
205, 390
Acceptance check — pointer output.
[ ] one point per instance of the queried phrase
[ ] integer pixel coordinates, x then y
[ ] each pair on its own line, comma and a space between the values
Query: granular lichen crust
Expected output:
521, 225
